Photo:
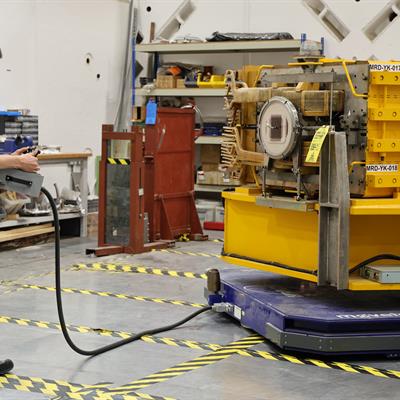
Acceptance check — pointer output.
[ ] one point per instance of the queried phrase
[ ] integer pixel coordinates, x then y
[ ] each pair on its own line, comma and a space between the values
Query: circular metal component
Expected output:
278, 127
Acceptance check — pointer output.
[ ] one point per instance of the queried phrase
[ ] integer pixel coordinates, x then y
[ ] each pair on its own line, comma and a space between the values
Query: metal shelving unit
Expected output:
25, 221
210, 188
182, 92
246, 46
209, 140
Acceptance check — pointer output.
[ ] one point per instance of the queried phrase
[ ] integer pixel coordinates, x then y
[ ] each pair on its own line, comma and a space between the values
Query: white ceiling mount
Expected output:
278, 127
174, 22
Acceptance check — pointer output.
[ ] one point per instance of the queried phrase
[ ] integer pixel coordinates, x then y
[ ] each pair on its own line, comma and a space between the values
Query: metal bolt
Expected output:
380, 180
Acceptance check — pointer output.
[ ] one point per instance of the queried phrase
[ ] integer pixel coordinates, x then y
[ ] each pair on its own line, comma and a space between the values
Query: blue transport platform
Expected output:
297, 315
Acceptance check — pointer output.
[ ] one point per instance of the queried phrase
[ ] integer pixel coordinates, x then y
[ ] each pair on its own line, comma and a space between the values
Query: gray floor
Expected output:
40, 351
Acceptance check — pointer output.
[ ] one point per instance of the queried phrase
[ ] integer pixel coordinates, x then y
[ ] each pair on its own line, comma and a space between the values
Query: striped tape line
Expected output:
107, 294
44, 386
65, 390
187, 253
211, 358
137, 269
110, 333
118, 161
352, 368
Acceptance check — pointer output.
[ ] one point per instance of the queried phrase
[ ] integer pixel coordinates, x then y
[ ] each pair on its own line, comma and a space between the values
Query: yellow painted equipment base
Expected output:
260, 237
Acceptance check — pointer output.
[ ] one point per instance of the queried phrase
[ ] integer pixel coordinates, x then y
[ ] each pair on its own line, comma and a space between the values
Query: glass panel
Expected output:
119, 149
117, 224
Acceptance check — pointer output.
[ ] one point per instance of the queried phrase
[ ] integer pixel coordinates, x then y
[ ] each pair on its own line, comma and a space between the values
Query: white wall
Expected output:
44, 45
45, 42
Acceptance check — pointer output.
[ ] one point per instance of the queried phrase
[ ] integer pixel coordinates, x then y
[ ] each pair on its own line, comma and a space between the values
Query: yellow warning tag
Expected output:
316, 144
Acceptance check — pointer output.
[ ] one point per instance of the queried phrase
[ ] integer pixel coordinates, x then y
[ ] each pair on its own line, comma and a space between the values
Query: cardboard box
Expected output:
210, 154
180, 83
166, 81
92, 224
210, 178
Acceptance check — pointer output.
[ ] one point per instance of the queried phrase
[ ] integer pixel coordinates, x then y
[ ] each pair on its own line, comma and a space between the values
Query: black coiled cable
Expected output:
61, 317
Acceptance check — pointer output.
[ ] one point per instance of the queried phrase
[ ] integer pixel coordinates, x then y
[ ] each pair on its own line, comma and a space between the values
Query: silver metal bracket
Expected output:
334, 215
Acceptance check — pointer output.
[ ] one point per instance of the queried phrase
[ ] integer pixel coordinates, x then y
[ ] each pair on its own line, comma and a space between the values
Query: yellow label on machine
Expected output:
316, 144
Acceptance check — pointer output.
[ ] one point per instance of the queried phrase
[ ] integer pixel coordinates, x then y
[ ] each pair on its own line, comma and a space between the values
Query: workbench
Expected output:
80, 159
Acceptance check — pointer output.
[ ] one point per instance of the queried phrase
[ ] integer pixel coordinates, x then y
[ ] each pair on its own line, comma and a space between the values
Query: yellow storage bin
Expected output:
215, 82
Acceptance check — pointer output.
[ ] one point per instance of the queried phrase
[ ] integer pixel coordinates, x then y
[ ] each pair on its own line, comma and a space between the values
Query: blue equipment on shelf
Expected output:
11, 144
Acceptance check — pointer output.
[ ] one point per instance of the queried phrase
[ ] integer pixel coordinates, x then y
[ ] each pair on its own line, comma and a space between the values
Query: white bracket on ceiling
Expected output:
174, 22
327, 18
385, 18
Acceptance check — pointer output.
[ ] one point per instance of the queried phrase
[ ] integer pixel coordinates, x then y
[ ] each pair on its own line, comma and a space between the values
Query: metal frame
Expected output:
334, 215
137, 204
331, 344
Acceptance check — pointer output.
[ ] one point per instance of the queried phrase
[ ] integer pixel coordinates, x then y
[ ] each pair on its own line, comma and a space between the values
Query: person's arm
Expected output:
26, 162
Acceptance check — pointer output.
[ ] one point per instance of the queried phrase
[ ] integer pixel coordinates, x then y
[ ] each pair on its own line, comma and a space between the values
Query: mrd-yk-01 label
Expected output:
385, 67
382, 167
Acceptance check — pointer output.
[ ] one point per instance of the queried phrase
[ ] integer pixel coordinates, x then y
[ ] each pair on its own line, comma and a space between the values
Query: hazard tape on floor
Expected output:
182, 368
65, 390
157, 300
272, 356
217, 240
192, 344
48, 387
137, 270
352, 368
187, 253
118, 161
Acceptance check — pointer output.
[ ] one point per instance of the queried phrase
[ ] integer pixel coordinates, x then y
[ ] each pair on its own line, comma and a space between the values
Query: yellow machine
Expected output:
316, 146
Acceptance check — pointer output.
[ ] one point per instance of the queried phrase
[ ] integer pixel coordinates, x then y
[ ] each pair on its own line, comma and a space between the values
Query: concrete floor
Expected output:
40, 351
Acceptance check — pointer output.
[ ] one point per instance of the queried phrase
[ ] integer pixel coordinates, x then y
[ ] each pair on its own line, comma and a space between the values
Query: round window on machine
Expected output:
278, 127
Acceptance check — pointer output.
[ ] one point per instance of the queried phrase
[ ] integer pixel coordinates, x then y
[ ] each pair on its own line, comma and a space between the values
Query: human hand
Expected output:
20, 151
28, 163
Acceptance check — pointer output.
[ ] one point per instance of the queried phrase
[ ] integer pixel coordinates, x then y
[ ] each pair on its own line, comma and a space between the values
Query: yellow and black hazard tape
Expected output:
192, 344
118, 161
188, 366
184, 238
65, 390
49, 387
188, 253
137, 269
272, 356
352, 368
108, 294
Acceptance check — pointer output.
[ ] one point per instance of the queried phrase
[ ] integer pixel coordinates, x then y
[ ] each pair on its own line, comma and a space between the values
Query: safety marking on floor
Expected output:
64, 390
188, 253
137, 269
352, 368
182, 368
192, 344
45, 386
21, 286
273, 356
217, 240
31, 276
118, 161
